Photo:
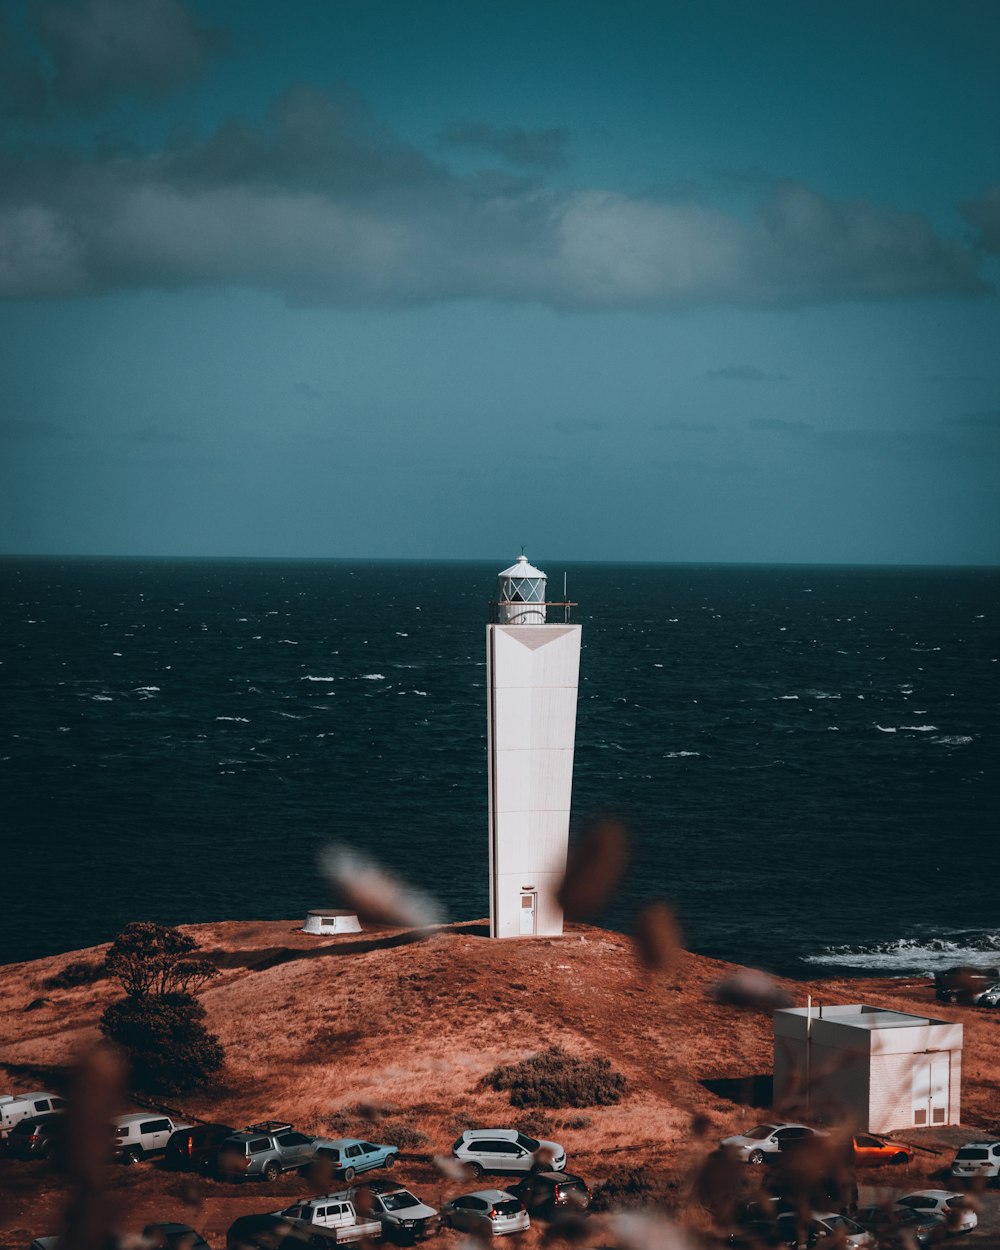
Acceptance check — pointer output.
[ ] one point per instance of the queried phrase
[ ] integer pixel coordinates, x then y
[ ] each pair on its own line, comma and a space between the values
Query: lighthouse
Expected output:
533, 666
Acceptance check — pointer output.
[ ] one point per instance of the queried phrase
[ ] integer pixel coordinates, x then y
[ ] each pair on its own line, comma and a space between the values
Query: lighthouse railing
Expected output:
527, 605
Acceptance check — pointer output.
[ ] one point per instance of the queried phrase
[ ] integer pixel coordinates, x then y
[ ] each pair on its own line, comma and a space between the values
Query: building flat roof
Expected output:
861, 1016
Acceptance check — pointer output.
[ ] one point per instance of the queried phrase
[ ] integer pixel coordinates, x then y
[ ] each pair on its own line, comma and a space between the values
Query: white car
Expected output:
843, 1230
958, 1212
768, 1141
977, 1158
141, 1134
506, 1150
486, 1212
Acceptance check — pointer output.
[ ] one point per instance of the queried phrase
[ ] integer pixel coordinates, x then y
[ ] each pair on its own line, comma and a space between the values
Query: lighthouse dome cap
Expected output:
521, 568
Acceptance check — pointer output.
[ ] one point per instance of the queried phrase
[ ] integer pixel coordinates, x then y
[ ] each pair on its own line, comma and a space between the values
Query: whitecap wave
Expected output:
102, 698
317, 678
372, 677
953, 740
788, 696
290, 641
923, 953
920, 729
681, 755
886, 729
242, 719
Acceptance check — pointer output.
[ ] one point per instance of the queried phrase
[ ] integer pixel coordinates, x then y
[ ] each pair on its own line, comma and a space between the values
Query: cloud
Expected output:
540, 149
983, 214
101, 49
744, 373
323, 204
779, 424
679, 424
578, 425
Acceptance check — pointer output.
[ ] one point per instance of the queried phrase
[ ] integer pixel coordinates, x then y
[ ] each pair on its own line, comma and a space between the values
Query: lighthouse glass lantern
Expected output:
533, 673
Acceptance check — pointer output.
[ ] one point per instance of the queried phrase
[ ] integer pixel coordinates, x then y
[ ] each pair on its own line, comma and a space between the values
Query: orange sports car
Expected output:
876, 1150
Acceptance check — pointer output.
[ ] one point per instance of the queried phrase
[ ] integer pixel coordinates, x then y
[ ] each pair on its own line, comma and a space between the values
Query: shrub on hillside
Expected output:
168, 1048
157, 960
626, 1186
79, 972
555, 1078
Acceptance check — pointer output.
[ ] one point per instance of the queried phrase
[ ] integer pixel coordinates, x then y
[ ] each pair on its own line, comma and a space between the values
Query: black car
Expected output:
37, 1137
174, 1237
193, 1149
964, 984
551, 1194
266, 1232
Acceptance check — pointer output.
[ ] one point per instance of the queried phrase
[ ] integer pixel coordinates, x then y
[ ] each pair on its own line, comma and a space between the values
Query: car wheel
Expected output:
390, 1161
349, 1174
271, 1171
478, 1171
132, 1155
900, 1158
756, 1157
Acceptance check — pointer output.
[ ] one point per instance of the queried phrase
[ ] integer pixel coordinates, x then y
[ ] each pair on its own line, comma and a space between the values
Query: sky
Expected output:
622, 281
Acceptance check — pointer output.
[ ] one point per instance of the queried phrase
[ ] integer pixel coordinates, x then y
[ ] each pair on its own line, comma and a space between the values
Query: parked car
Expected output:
842, 1230
265, 1232
897, 1228
37, 1136
873, 1151
349, 1155
966, 984
141, 1134
958, 1212
174, 1237
17, 1107
767, 1141
264, 1151
402, 1214
486, 1213
551, 1194
507, 1150
978, 1158
192, 1149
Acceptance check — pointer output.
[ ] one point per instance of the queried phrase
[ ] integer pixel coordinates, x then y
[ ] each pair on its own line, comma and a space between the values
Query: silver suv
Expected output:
507, 1150
264, 1151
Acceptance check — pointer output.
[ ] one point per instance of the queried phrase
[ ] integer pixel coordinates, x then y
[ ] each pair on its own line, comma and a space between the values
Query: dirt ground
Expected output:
410, 1023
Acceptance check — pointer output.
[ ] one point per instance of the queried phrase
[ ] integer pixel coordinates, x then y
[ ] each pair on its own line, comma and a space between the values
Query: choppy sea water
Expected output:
807, 757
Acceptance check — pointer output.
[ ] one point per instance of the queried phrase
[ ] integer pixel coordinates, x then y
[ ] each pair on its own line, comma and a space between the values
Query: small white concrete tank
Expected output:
521, 594
331, 921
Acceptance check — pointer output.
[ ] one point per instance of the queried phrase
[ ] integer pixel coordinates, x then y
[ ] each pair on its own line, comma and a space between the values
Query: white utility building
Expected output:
878, 1069
533, 668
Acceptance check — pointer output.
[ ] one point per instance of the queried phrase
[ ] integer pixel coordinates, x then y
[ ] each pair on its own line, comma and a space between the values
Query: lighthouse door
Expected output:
529, 901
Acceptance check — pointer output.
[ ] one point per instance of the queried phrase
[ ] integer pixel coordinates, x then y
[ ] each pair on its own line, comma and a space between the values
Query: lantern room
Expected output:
521, 594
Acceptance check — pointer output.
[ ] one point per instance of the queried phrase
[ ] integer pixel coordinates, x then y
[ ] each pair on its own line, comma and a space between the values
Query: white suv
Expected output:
978, 1158
507, 1150
146, 1133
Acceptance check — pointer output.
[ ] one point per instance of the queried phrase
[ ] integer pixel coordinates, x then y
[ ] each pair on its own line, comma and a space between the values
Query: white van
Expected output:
17, 1107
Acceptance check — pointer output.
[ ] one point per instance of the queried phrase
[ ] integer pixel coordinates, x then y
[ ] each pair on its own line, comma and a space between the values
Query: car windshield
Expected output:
528, 1143
400, 1201
760, 1132
841, 1221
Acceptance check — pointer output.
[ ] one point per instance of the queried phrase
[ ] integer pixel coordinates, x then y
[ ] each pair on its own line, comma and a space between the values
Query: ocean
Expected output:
807, 757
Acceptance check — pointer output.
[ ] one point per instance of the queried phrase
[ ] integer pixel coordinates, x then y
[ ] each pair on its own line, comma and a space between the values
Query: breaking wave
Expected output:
926, 954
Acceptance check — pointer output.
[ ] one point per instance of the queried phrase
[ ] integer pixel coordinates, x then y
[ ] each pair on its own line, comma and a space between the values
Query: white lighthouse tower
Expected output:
533, 668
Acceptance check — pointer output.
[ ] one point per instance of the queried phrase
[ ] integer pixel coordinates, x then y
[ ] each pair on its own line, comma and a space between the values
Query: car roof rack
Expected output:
268, 1126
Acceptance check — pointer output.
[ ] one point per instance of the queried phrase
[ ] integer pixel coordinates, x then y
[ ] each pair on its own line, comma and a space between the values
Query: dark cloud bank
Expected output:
322, 203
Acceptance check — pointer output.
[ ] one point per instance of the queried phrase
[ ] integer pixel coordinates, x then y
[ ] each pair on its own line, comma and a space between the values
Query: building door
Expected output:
930, 1088
529, 906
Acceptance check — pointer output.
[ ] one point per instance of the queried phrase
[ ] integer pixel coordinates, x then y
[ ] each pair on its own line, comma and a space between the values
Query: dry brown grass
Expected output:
314, 1026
